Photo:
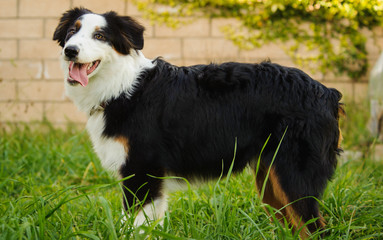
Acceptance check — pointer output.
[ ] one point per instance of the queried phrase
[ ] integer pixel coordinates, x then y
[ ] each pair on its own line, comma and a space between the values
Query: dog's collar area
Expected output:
98, 108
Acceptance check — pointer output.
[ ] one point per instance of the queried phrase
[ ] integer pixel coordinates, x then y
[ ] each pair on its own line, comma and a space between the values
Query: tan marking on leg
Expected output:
292, 216
268, 195
321, 222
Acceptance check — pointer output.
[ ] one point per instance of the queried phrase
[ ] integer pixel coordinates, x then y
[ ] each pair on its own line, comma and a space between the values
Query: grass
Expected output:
52, 186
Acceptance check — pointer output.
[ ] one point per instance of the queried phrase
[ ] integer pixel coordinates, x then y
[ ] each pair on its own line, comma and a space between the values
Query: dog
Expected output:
150, 119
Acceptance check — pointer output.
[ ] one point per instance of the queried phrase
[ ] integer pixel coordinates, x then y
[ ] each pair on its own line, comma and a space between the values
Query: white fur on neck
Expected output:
118, 75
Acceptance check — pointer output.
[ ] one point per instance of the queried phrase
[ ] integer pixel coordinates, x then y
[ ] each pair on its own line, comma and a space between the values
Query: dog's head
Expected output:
90, 40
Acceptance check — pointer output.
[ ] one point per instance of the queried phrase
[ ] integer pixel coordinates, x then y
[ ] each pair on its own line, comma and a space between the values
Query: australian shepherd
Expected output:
150, 119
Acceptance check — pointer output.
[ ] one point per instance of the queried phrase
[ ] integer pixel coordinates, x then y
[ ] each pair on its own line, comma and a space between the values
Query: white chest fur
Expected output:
111, 152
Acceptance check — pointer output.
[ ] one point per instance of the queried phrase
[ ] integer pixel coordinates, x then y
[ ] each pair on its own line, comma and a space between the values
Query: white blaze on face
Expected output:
91, 51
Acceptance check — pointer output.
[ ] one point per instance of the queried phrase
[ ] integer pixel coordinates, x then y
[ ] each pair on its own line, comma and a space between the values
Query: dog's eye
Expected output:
99, 36
71, 31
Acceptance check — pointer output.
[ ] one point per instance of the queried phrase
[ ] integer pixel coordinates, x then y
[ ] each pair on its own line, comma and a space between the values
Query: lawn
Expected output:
52, 186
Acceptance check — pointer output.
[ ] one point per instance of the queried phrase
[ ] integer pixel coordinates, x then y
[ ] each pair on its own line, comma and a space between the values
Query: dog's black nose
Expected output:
71, 51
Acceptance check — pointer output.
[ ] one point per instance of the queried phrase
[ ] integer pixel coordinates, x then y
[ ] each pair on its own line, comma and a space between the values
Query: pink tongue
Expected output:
78, 72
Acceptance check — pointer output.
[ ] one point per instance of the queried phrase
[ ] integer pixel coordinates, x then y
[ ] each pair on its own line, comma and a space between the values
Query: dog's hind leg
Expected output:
296, 213
268, 195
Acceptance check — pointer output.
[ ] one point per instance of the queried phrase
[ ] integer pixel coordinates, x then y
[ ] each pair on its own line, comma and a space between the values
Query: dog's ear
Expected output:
126, 33
134, 31
67, 19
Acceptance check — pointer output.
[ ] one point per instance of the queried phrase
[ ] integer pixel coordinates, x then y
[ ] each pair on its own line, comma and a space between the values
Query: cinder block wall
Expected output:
31, 82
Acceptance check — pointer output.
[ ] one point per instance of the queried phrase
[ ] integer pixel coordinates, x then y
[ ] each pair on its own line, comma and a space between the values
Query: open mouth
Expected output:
79, 72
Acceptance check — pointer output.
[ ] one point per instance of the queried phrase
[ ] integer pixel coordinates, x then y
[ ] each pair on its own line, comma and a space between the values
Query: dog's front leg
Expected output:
144, 197
151, 211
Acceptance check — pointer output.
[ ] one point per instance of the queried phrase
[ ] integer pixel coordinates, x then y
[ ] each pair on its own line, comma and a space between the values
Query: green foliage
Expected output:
326, 33
355, 128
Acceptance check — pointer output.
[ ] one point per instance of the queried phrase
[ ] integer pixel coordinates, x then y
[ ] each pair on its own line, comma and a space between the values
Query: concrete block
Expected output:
21, 28
21, 112
8, 8
64, 112
8, 49
39, 49
46, 8
41, 91
21, 69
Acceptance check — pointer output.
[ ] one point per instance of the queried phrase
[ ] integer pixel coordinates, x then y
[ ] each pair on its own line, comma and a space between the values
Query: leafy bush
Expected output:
330, 31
